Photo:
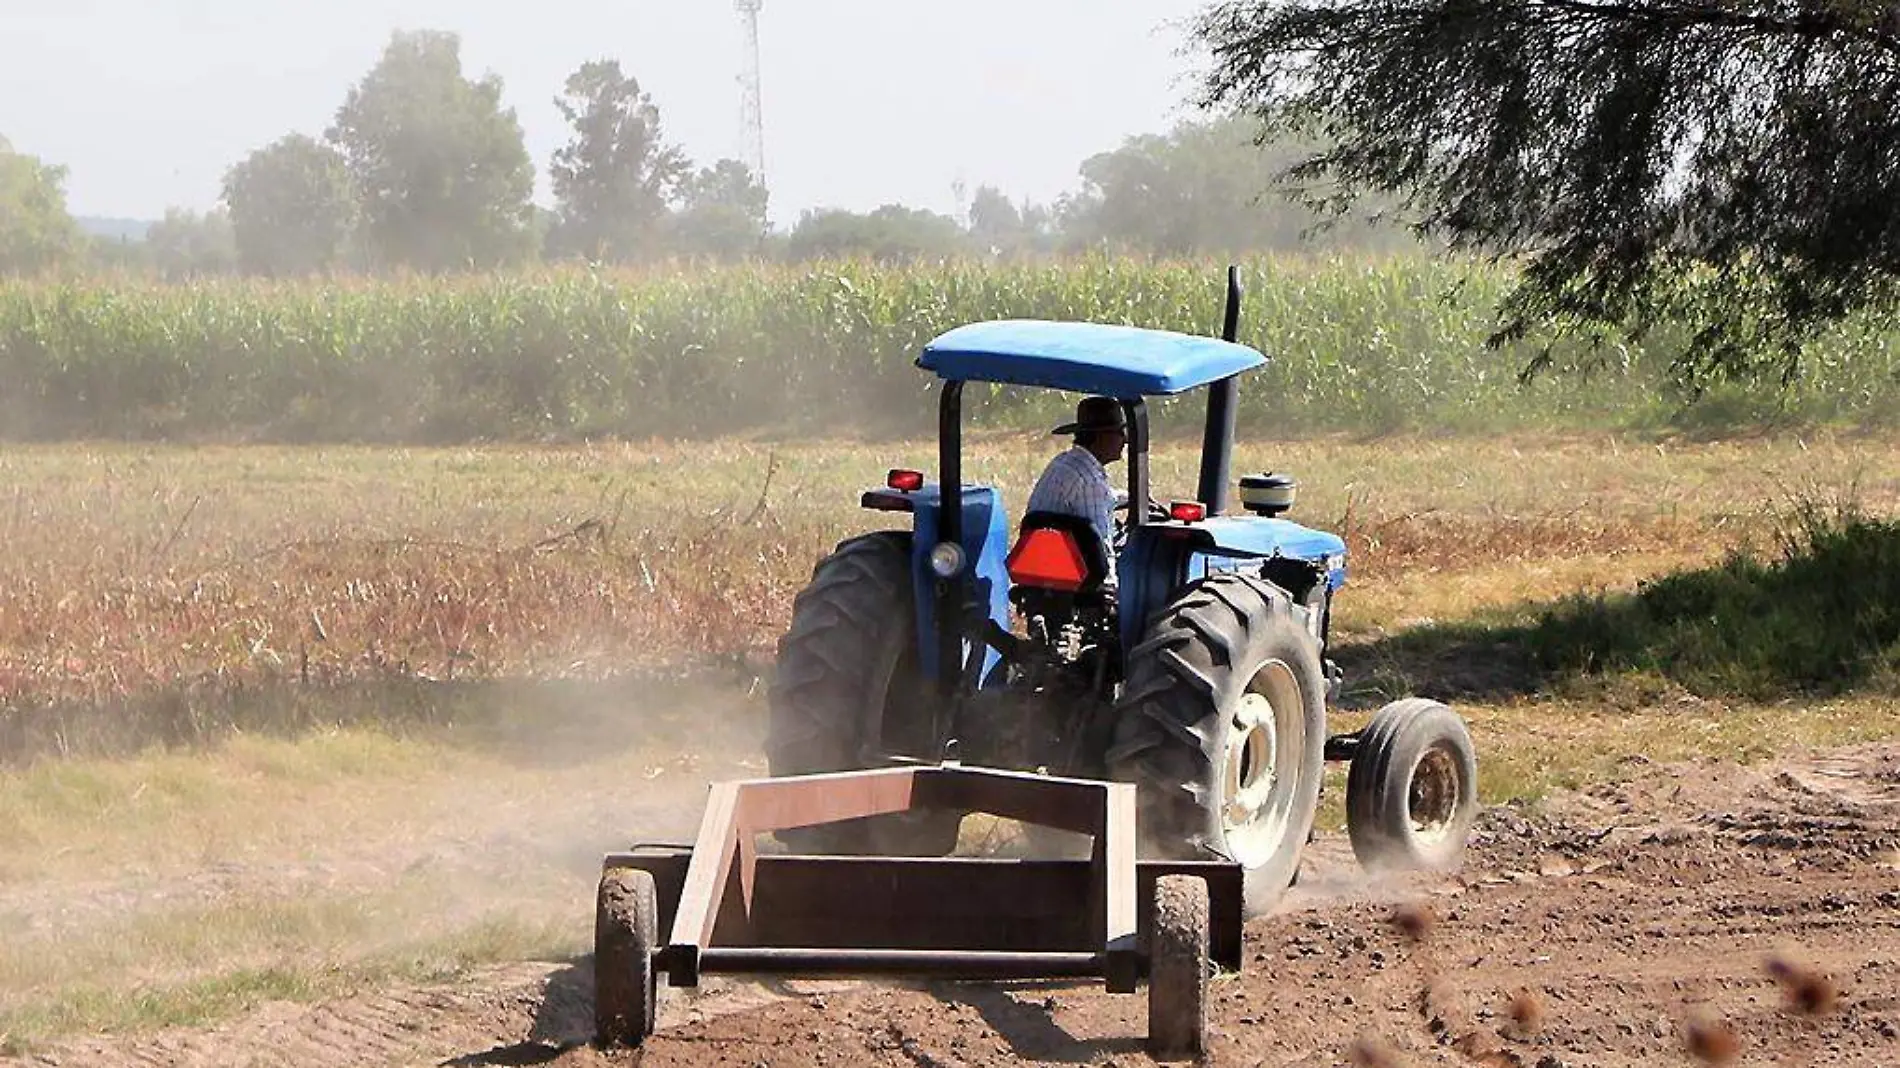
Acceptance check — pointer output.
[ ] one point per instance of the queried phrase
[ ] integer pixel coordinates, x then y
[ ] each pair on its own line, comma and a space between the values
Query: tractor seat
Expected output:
1057, 553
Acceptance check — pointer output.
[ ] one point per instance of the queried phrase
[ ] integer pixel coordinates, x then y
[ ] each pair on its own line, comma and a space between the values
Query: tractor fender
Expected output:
985, 543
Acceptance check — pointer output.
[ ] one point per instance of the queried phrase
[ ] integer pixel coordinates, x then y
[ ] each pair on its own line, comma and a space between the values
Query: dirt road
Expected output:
1604, 932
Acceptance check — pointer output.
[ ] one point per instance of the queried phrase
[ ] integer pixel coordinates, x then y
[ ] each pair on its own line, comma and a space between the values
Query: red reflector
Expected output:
1048, 559
886, 501
1187, 511
908, 481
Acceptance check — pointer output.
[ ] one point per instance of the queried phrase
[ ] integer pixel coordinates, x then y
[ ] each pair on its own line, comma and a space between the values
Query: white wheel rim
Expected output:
1264, 739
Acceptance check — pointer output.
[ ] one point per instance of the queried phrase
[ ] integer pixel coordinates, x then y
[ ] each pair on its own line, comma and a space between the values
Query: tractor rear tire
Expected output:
850, 661
626, 936
1412, 788
1222, 727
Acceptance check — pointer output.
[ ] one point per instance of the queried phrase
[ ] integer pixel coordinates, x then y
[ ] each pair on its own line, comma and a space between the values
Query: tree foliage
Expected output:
1726, 168
186, 245
292, 207
1202, 187
613, 181
1001, 227
890, 234
722, 213
36, 232
440, 166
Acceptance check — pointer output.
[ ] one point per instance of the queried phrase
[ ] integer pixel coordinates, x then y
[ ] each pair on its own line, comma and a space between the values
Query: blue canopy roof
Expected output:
1117, 361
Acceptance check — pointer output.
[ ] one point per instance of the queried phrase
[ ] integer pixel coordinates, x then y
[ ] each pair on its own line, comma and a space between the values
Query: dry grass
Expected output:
176, 575
181, 888
544, 790
1532, 748
195, 967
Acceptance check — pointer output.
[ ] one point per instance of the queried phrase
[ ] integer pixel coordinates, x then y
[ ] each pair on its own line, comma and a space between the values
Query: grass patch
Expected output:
1529, 750
455, 916
74, 814
89, 1006
542, 716
1820, 616
366, 799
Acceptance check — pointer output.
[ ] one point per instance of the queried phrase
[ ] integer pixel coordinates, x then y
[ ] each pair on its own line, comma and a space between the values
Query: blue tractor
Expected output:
1187, 656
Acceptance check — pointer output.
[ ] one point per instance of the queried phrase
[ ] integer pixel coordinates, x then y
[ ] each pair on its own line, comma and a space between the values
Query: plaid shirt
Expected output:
1075, 483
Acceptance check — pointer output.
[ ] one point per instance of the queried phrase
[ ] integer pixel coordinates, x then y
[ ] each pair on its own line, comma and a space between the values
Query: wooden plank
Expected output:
1066, 804
1119, 913
706, 878
926, 904
767, 805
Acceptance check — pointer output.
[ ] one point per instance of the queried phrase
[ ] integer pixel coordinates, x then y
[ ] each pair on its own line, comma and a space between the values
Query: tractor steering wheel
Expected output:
1155, 514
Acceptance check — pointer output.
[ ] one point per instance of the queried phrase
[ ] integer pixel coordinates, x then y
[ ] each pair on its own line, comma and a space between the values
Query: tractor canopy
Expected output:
1115, 361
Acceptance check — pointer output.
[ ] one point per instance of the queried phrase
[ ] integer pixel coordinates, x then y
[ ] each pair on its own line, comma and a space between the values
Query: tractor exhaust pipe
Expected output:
1217, 444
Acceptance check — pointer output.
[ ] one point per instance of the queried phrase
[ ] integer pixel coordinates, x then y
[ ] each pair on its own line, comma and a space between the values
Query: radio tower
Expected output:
751, 110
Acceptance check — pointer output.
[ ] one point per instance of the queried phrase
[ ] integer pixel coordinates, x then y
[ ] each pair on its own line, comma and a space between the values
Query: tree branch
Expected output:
1676, 16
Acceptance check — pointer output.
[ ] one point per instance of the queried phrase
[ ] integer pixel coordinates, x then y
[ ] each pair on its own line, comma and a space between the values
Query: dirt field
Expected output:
1602, 932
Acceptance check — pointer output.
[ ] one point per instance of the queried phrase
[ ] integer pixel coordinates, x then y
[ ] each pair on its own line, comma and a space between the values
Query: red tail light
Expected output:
1187, 511
1048, 559
907, 481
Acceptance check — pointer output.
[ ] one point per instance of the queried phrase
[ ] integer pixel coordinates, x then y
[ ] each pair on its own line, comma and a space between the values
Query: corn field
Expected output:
1365, 345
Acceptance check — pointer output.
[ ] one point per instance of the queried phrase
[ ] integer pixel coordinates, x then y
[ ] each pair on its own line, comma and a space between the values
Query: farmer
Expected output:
1076, 482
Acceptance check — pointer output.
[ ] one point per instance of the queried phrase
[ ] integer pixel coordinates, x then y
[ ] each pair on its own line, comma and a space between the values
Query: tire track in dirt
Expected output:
1621, 914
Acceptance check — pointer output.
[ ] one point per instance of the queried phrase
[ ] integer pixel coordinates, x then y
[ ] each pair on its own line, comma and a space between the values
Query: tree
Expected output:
1202, 187
292, 207
1728, 167
613, 181
443, 176
122, 254
993, 216
998, 226
36, 232
892, 233
185, 245
722, 213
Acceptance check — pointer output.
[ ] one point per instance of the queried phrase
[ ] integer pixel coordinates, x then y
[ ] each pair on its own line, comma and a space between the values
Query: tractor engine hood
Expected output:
1252, 538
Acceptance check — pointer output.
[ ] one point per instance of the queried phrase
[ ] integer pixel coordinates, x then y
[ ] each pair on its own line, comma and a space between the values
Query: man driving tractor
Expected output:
1076, 481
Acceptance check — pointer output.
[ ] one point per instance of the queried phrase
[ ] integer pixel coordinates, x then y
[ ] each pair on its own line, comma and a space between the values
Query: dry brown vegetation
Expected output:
182, 577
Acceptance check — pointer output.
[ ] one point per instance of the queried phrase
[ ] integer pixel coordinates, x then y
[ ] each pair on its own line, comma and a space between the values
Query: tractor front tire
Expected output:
850, 661
1222, 727
1412, 788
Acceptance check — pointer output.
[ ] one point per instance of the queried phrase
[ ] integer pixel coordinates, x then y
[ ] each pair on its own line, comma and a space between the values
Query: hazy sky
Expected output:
866, 101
